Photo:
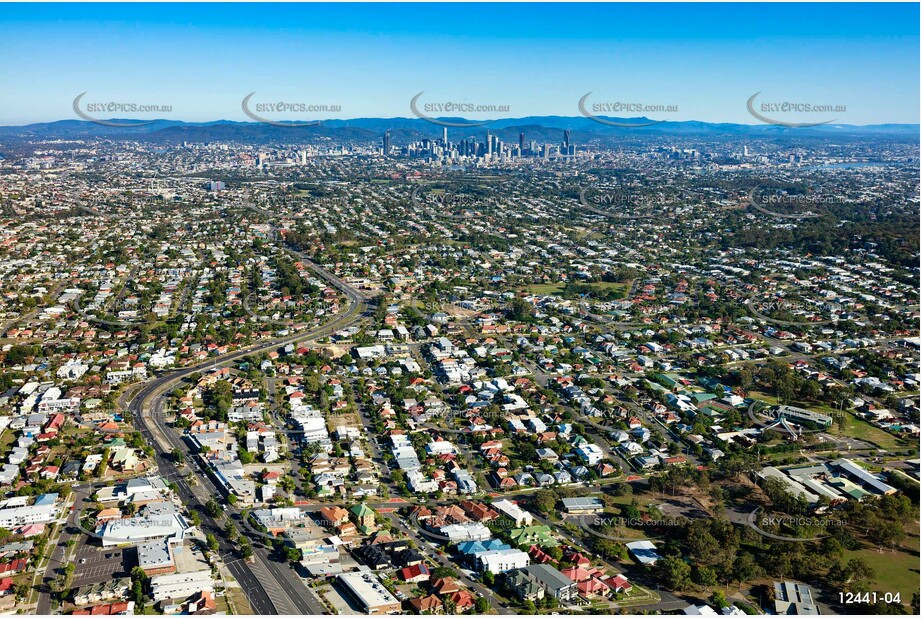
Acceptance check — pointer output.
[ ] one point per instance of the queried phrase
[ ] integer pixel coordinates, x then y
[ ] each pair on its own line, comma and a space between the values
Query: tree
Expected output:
482, 605
212, 508
178, 456
887, 534
211, 540
489, 579
520, 310
544, 500
137, 595
719, 599
704, 576
860, 575
746, 568
673, 572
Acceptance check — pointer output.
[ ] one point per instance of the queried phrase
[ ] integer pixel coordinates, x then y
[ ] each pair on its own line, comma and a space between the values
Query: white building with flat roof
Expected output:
502, 560
368, 592
139, 529
180, 585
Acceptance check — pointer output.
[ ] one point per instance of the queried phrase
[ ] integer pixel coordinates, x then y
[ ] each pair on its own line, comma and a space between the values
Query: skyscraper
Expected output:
386, 143
521, 142
444, 139
568, 149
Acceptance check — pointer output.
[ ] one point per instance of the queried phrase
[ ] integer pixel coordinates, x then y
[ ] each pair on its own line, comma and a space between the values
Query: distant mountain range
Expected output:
538, 128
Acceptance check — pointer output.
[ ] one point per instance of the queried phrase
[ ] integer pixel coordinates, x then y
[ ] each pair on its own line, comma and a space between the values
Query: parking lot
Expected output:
99, 564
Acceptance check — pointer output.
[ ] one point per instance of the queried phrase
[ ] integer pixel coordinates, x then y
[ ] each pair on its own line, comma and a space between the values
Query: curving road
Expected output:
271, 588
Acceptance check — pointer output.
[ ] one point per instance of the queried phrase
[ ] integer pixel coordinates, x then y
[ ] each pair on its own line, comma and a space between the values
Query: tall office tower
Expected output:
744, 151
386, 143
488, 144
521, 142
260, 160
303, 155
444, 139
566, 140
547, 148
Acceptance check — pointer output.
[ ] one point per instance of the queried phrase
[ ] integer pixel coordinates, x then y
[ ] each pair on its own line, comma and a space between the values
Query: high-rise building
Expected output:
488, 144
444, 139
386, 145
521, 142
566, 136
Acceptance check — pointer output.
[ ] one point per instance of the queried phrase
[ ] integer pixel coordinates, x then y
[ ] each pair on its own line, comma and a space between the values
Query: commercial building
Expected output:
367, 591
582, 506
180, 585
138, 529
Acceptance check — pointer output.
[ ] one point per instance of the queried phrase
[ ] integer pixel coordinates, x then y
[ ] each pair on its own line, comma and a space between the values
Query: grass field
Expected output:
557, 288
545, 289
896, 571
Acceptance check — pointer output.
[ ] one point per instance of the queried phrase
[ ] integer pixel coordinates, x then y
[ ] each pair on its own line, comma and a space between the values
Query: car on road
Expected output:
82, 560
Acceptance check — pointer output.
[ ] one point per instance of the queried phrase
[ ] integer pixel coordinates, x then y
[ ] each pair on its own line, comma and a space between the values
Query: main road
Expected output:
271, 588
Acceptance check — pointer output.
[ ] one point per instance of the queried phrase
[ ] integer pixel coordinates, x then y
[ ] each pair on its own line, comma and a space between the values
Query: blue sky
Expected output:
538, 59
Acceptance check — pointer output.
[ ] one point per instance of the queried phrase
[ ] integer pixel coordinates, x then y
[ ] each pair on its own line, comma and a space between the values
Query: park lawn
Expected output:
557, 288
896, 571
546, 289
855, 427
7, 439
862, 430
782, 458
623, 286
768, 399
